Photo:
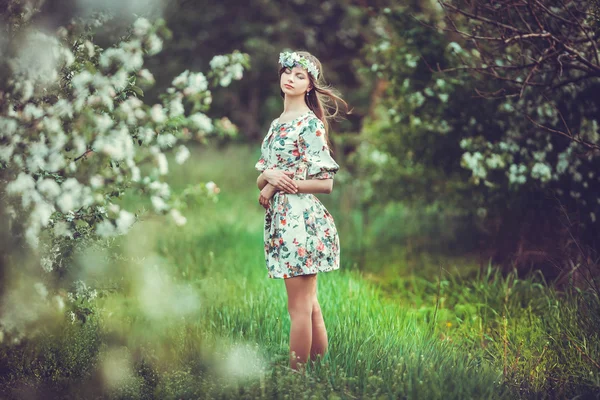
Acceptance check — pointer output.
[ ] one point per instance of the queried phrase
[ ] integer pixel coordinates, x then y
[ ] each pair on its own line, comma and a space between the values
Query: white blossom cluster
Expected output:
533, 164
97, 119
37, 63
228, 67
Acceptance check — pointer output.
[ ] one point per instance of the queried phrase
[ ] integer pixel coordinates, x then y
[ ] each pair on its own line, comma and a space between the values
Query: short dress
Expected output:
300, 236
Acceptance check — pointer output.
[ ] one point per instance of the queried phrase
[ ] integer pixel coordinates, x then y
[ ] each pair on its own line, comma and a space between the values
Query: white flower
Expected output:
158, 114
225, 80
474, 162
62, 108
160, 188
455, 47
495, 161
61, 228
113, 56
135, 174
118, 145
154, 45
74, 195
211, 186
237, 70
134, 60
6, 152
125, 220
31, 111
141, 26
41, 213
202, 122
182, 154
49, 188
103, 122
32, 236
146, 134
8, 127
541, 171
89, 47
177, 217
163, 165
165, 140
196, 83
218, 61
176, 107
120, 80
52, 125
24, 182
96, 181
158, 203
105, 228
181, 80
146, 76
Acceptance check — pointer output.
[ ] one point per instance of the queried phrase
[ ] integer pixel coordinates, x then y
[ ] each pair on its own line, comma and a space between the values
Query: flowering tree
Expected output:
546, 59
75, 133
525, 154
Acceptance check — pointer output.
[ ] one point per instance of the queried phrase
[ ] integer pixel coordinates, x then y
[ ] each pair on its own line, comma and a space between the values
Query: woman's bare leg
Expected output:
319, 332
301, 292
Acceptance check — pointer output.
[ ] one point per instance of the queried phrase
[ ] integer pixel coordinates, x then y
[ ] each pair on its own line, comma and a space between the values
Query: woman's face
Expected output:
294, 81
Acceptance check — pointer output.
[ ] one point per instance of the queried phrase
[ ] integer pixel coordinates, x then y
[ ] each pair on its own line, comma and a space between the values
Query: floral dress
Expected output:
300, 236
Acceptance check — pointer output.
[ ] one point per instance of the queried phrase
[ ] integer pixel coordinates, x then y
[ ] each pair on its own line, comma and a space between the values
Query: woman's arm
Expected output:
304, 186
261, 181
315, 186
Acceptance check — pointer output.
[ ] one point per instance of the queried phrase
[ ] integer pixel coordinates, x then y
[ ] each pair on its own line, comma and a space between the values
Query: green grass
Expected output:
195, 316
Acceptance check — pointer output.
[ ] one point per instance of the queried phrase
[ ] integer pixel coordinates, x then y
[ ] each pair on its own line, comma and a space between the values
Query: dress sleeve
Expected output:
315, 152
261, 164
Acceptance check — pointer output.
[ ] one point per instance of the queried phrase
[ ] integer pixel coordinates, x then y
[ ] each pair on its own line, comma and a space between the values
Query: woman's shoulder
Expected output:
313, 121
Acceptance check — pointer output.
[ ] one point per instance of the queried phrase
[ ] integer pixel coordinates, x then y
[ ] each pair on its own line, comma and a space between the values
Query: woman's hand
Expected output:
266, 194
280, 180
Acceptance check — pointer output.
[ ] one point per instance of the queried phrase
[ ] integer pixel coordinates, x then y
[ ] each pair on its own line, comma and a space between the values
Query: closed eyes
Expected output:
299, 75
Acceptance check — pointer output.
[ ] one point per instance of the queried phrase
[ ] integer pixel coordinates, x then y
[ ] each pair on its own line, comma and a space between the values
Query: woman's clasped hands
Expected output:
278, 180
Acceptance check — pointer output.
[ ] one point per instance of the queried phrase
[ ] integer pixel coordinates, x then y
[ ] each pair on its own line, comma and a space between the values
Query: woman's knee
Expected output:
300, 306
316, 307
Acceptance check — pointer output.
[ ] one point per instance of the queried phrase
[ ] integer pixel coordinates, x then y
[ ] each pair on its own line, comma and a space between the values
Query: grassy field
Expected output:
188, 312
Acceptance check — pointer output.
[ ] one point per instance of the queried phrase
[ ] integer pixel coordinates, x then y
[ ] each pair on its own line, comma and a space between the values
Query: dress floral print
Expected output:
300, 236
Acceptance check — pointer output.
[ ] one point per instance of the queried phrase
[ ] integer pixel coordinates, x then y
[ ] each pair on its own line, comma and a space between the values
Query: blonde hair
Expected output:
321, 96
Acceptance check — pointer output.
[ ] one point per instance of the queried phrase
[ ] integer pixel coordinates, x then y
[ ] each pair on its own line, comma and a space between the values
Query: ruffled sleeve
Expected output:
315, 152
261, 164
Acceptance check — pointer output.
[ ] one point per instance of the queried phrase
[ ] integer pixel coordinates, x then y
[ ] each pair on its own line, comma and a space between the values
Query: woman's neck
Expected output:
294, 105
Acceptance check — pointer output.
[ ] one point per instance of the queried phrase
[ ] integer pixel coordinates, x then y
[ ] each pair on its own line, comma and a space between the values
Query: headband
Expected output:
290, 59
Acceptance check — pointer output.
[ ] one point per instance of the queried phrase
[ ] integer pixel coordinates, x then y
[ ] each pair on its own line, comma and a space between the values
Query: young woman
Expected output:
300, 237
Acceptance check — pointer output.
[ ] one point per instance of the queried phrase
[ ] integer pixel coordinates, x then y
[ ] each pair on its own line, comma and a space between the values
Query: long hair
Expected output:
322, 97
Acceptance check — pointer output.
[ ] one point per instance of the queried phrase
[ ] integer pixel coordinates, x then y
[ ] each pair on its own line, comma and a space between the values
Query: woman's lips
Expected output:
289, 86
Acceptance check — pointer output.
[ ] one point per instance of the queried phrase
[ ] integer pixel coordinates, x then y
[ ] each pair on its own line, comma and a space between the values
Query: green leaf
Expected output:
138, 91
